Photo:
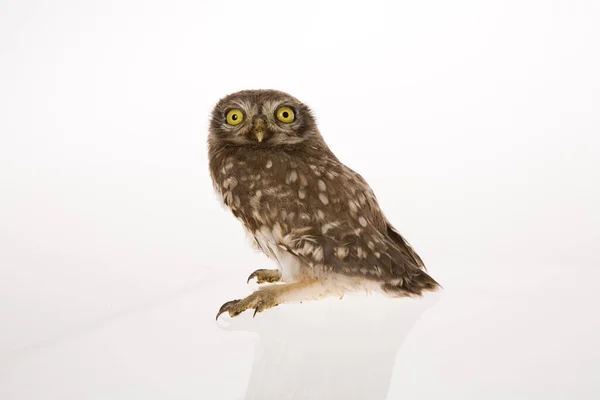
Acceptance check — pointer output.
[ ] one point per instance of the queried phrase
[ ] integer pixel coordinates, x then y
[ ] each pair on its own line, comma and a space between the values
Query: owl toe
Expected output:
265, 276
229, 307
259, 301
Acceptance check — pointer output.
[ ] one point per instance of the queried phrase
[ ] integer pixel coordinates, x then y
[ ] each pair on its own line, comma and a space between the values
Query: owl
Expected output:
302, 207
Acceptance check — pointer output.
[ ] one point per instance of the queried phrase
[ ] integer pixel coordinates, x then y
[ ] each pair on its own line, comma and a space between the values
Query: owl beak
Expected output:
259, 130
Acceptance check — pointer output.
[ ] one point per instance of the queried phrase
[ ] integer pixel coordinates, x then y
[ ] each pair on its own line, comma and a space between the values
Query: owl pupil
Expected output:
285, 114
234, 117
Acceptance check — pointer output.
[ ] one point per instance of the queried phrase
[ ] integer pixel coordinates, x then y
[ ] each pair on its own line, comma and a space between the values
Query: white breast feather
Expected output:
289, 264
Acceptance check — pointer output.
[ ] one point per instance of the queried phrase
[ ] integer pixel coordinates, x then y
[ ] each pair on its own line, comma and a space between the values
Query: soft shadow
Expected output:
329, 349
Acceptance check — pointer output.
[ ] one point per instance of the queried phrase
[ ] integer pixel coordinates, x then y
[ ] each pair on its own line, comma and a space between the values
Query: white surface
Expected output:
476, 124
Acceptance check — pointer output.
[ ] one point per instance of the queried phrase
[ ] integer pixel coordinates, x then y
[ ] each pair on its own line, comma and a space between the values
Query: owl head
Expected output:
262, 118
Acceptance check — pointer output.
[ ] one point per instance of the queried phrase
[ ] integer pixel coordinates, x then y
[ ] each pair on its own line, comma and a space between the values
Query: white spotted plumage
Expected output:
317, 218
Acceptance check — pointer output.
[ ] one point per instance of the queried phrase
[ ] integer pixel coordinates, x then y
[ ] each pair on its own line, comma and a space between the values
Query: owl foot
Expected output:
259, 301
265, 276
273, 295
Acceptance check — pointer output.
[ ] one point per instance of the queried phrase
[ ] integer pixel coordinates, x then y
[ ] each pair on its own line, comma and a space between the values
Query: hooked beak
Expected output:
259, 130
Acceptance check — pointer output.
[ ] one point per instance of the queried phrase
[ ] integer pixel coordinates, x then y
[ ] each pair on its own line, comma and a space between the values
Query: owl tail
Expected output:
414, 286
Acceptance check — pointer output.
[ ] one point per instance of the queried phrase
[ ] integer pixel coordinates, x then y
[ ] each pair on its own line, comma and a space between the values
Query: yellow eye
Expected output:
285, 115
235, 117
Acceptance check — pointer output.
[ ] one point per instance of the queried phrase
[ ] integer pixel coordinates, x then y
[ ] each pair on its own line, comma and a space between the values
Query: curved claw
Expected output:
260, 307
252, 275
225, 307
265, 275
257, 301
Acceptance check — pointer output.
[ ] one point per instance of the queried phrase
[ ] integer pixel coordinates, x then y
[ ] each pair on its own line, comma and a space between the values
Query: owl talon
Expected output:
265, 276
259, 301
226, 307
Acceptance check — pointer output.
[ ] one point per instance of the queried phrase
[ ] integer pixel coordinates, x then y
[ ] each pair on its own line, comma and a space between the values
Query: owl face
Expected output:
261, 118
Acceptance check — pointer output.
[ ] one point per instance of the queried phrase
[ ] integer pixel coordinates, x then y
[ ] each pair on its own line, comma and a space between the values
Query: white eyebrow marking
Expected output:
248, 108
270, 106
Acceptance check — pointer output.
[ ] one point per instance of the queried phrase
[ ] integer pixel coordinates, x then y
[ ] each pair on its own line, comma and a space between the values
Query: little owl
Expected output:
317, 218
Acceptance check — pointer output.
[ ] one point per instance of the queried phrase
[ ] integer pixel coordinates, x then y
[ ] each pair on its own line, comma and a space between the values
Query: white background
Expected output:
476, 123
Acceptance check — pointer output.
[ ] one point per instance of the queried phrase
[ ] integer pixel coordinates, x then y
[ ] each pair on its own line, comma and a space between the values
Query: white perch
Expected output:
329, 349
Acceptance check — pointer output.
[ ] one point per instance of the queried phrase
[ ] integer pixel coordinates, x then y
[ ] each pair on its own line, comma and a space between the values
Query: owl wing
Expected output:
353, 238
